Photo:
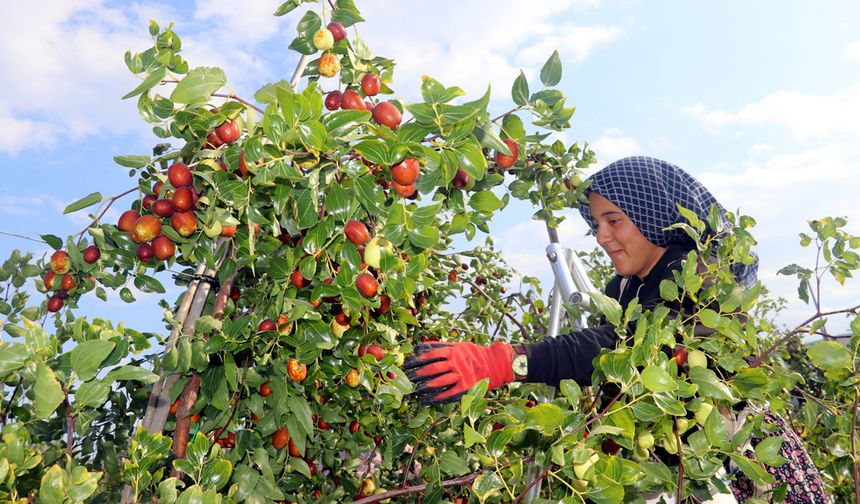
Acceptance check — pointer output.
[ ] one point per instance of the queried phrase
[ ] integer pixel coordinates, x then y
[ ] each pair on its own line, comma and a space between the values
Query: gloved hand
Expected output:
442, 372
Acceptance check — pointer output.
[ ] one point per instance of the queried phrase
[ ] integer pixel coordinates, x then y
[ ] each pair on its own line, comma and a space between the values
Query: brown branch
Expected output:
519, 324
534, 482
462, 480
70, 425
499, 325
183, 421
760, 359
111, 201
236, 396
22, 237
234, 96
11, 399
680, 461
854, 449
415, 450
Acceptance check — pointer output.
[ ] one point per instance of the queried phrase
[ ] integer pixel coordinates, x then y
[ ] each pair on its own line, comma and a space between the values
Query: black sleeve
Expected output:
570, 356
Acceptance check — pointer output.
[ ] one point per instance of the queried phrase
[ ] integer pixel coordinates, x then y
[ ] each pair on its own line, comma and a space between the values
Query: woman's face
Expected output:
631, 253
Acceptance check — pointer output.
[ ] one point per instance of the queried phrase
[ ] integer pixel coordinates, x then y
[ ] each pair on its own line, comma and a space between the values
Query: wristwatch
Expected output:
520, 363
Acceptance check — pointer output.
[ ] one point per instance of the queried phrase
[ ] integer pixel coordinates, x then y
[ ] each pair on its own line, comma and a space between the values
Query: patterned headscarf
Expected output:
648, 190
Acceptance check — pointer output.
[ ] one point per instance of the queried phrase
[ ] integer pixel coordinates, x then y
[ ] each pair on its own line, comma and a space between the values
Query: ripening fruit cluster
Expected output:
61, 280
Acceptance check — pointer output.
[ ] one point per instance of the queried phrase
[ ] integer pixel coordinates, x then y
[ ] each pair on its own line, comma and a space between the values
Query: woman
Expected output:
631, 203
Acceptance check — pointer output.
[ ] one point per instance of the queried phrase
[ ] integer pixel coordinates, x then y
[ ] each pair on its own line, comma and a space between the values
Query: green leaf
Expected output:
546, 417
485, 201
313, 135
452, 464
486, 485
92, 393
132, 373
374, 151
307, 206
830, 356
709, 385
657, 379
148, 284
90, 199
768, 451
424, 237
668, 290
471, 436
12, 357
346, 17
309, 24
126, 295
132, 161
520, 89
216, 473
571, 391
48, 392
88, 355
198, 85
52, 488
151, 80
550, 74
752, 469
608, 306
471, 159
709, 318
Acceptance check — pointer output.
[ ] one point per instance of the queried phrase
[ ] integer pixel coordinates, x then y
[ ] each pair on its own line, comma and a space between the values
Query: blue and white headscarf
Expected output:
649, 191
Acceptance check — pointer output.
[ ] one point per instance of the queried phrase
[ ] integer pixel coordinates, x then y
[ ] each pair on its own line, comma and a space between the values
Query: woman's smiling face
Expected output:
631, 253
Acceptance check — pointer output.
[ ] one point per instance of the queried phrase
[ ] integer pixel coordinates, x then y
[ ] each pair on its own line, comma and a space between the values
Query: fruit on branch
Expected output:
356, 232
228, 132
228, 231
387, 114
127, 220
352, 101
60, 262
280, 438
453, 276
610, 447
294, 450
703, 413
366, 285
163, 247
266, 326
375, 350
228, 441
406, 172
55, 303
185, 223
370, 84
405, 190
156, 188
645, 440
297, 370
680, 355
183, 199
338, 329
283, 324
148, 200
354, 426
697, 358
367, 487
323, 39
329, 65
235, 293
212, 141
463, 180
179, 175
342, 318
506, 161
68, 282
145, 252
195, 418
334, 100
298, 280
384, 305
145, 229
265, 390
337, 30
92, 254
163, 208
373, 251
49, 280
353, 378
212, 230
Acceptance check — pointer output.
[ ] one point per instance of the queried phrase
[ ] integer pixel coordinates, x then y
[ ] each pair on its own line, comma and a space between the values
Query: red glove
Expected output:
443, 372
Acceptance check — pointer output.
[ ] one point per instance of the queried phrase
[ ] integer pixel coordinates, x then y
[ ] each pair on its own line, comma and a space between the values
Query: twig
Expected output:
236, 396
519, 324
415, 450
11, 398
22, 237
111, 201
499, 325
233, 96
70, 425
525, 491
760, 359
462, 480
854, 448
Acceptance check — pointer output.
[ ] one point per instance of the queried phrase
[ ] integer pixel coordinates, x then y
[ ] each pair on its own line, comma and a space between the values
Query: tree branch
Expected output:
111, 201
519, 324
408, 465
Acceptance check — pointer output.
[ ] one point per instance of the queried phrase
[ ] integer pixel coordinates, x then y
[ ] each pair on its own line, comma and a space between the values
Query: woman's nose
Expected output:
603, 236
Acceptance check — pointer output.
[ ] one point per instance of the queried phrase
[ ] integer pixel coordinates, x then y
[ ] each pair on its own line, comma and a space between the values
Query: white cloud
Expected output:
614, 144
852, 51
806, 116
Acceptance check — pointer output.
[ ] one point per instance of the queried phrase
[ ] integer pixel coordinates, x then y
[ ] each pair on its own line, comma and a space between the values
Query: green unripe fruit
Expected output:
646, 440
323, 39
697, 358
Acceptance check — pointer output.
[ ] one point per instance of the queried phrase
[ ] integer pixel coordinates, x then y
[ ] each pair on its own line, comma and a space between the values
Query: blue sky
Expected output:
758, 100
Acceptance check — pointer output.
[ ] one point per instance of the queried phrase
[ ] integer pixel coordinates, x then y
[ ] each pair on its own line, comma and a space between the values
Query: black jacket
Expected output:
569, 356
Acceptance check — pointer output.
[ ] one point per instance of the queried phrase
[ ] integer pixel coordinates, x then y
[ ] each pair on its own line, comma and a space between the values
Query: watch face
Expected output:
521, 365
